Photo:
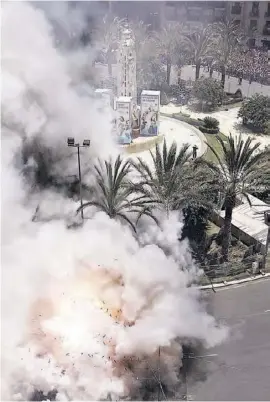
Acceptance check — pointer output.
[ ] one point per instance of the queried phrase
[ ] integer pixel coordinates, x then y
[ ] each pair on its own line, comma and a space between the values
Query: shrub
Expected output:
187, 119
210, 122
206, 130
256, 112
208, 91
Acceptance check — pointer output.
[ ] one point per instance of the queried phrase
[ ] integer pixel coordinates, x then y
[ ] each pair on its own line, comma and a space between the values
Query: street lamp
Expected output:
85, 144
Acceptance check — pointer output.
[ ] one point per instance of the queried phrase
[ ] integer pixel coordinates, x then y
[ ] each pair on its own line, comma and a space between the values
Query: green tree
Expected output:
107, 37
172, 183
256, 111
199, 45
166, 42
116, 195
208, 91
241, 169
228, 39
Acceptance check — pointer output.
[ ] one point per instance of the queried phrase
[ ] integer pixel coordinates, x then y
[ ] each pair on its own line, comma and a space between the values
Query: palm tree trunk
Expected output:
227, 232
197, 70
169, 67
223, 76
109, 61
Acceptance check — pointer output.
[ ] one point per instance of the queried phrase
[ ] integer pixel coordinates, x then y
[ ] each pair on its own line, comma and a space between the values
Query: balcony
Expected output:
236, 10
266, 30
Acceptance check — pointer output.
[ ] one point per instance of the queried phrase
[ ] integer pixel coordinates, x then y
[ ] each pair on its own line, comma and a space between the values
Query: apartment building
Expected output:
193, 13
252, 16
254, 19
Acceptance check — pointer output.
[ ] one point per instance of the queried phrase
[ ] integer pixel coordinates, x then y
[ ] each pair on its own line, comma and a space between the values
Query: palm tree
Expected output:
228, 39
108, 36
116, 195
172, 183
166, 42
241, 169
199, 44
141, 37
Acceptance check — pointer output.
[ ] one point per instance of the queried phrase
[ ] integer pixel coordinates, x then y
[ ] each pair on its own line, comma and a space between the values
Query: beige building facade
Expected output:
254, 19
252, 16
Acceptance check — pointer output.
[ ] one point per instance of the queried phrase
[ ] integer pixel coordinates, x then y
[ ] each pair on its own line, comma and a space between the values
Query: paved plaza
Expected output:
229, 123
179, 132
239, 369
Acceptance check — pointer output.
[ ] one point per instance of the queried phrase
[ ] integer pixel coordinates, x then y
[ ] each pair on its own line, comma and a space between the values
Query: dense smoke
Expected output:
87, 313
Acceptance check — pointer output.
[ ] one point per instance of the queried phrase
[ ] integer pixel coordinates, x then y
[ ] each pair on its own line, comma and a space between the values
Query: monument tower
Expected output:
126, 65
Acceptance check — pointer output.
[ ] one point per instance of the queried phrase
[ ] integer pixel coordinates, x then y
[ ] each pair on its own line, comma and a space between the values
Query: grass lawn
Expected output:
212, 140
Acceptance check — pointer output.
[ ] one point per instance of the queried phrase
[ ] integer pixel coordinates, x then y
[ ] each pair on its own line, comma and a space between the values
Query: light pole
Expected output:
85, 144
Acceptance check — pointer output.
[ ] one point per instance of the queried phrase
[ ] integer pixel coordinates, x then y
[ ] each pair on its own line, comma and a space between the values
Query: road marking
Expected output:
267, 311
202, 357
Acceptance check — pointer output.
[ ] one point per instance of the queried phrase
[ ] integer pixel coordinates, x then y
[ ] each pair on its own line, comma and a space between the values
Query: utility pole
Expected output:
85, 144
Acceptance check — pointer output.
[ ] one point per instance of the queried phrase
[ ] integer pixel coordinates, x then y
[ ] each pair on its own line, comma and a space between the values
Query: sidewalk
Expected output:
235, 282
176, 131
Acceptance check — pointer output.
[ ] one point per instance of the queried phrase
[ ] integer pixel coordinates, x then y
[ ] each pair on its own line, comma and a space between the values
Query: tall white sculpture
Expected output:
126, 66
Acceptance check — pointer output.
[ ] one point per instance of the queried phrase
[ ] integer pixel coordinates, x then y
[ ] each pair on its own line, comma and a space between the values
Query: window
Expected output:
267, 14
251, 43
255, 9
236, 8
253, 25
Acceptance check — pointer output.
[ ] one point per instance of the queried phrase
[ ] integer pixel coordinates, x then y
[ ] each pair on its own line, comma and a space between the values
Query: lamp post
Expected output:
85, 144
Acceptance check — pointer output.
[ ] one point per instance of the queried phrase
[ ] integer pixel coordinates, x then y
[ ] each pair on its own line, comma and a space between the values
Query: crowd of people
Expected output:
251, 65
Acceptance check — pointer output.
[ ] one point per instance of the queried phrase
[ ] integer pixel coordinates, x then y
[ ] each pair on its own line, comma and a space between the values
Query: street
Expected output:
240, 368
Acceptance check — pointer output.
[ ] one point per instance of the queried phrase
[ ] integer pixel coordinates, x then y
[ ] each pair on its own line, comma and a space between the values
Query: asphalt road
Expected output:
240, 368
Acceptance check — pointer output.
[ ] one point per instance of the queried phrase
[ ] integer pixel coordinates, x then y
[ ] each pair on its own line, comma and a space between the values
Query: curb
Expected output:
195, 130
236, 282
143, 146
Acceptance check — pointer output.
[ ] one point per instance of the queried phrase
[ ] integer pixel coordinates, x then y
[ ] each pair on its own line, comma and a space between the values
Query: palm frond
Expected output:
125, 218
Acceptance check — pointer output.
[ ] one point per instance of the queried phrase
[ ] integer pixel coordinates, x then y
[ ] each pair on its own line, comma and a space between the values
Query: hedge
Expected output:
186, 119
208, 130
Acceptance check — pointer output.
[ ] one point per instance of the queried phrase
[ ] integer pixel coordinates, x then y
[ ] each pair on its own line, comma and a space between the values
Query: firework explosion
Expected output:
91, 313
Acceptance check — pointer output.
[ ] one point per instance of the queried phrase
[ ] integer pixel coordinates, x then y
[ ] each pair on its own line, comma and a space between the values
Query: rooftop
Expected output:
250, 219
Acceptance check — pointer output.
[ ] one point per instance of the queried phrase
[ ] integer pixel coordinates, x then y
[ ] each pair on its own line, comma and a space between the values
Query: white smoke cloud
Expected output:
83, 311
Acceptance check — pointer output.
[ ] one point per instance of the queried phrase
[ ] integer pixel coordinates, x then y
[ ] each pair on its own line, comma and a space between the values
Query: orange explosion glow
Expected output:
100, 288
